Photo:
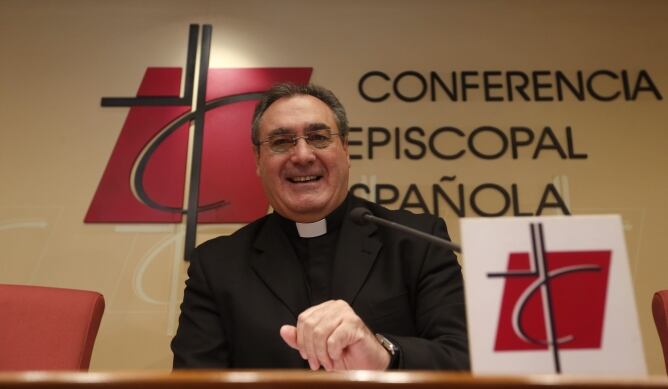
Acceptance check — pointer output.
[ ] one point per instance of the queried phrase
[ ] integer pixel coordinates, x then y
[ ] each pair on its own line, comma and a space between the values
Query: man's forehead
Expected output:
299, 112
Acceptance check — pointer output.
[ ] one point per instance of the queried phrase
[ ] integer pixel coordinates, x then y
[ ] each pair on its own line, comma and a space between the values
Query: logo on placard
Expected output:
145, 177
552, 300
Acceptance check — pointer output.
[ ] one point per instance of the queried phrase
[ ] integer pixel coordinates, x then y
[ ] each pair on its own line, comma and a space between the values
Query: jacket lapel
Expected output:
276, 263
356, 252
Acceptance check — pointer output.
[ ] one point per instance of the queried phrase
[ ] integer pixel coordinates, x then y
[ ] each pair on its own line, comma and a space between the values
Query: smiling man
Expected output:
305, 287
302, 184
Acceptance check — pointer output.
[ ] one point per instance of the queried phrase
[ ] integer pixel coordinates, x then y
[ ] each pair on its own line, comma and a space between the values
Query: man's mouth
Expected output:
303, 179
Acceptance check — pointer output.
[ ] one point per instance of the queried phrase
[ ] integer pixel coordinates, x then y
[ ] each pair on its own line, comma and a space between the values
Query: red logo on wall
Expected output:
552, 300
145, 178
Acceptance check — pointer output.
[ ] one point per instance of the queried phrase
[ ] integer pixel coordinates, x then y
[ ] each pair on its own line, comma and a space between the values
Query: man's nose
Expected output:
302, 152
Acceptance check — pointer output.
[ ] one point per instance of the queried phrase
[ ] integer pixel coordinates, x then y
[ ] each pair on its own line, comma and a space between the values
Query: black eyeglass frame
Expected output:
295, 138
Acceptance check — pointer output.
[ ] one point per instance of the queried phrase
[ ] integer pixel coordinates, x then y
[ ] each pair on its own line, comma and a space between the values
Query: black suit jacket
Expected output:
243, 288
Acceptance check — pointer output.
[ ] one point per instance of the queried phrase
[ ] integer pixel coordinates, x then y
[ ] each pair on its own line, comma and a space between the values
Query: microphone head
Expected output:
359, 214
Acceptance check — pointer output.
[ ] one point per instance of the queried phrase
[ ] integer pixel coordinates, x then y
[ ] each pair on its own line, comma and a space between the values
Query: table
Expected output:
296, 379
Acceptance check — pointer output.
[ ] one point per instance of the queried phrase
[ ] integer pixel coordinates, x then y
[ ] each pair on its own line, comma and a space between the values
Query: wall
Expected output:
60, 57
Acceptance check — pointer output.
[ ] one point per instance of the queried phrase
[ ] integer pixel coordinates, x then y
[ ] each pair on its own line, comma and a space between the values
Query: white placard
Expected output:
550, 295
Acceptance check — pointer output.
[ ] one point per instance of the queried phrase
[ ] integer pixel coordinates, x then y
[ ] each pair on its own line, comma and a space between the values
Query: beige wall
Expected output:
60, 57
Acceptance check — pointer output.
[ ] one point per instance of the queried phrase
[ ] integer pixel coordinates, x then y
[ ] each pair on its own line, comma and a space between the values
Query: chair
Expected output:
45, 328
660, 312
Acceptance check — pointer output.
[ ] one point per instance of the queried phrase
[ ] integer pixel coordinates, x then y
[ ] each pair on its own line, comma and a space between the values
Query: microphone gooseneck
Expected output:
363, 216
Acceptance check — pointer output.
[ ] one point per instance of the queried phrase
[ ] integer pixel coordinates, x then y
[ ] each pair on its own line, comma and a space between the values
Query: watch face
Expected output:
389, 346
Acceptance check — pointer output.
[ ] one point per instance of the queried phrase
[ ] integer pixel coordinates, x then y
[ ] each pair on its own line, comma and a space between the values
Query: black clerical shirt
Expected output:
317, 254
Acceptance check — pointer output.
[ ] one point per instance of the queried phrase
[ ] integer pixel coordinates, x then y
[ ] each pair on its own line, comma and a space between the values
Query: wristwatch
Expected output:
392, 349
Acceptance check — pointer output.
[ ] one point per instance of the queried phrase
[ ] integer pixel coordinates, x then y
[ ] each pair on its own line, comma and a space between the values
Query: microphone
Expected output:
363, 216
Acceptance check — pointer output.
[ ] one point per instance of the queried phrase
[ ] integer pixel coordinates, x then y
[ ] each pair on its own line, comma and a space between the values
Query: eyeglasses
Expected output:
282, 143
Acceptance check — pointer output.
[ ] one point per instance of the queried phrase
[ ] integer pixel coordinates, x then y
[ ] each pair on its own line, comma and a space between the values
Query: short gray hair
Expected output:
288, 89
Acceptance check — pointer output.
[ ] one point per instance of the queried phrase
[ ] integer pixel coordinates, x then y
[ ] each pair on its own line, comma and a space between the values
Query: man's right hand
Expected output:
331, 335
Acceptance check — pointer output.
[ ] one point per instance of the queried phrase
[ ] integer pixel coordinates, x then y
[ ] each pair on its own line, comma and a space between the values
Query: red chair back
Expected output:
660, 312
45, 328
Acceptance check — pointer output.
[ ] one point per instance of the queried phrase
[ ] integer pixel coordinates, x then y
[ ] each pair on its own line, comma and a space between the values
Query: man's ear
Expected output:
256, 153
344, 142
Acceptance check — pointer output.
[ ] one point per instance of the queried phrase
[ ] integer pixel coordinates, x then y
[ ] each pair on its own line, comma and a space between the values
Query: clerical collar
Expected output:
311, 230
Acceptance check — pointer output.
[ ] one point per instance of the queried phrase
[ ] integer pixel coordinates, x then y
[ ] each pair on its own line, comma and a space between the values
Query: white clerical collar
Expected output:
311, 230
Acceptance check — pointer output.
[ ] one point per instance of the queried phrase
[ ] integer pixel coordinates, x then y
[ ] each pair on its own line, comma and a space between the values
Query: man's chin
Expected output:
305, 212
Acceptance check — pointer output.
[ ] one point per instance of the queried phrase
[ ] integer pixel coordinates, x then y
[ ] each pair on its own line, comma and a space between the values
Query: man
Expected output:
307, 287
